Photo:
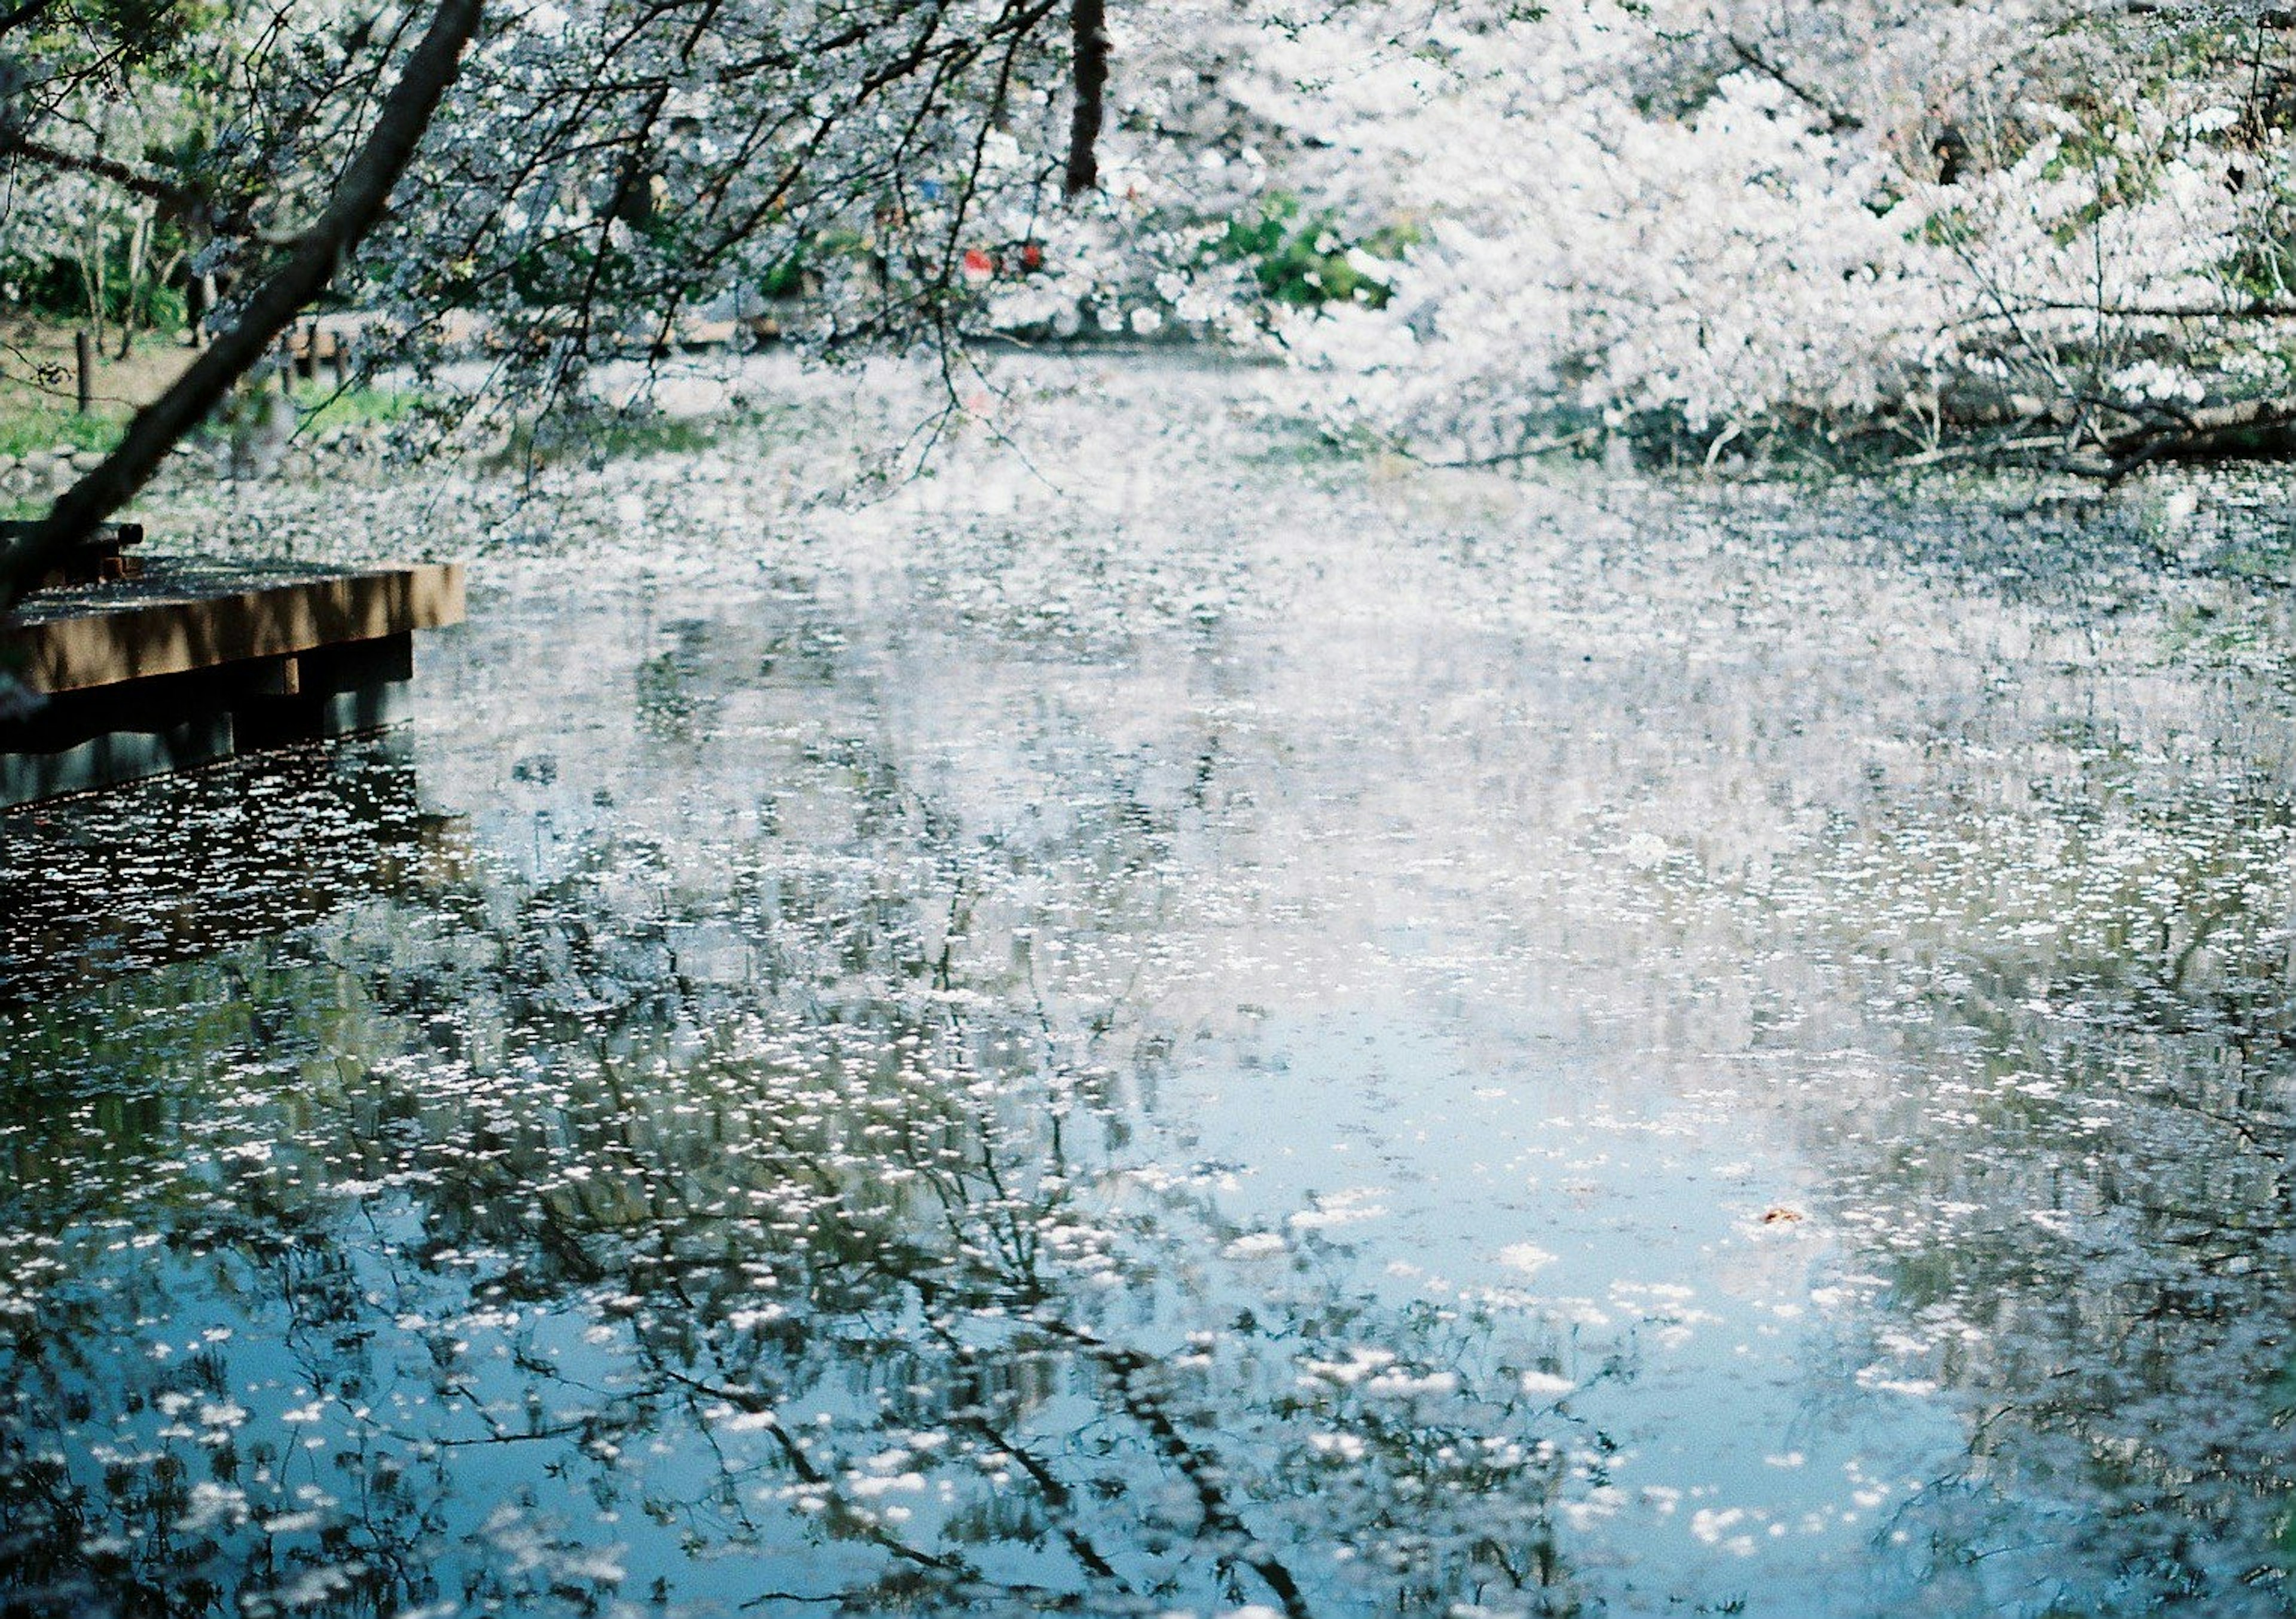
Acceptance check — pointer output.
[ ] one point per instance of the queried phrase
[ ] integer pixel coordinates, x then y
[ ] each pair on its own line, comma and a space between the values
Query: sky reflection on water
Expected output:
1312, 1036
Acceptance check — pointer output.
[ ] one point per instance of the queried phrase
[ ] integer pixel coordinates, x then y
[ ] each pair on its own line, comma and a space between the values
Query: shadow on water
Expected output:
496, 1241
87, 891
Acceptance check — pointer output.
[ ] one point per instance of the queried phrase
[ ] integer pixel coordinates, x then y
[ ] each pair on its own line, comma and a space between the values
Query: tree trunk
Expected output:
139, 242
198, 303
1089, 65
91, 272
310, 265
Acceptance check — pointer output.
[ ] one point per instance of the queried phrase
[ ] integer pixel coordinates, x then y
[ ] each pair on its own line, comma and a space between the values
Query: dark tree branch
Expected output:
22, 15
177, 198
310, 265
1089, 31
2197, 434
1837, 121
2260, 309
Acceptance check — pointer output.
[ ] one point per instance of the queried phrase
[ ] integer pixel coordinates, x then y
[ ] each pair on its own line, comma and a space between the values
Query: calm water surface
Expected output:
1180, 1029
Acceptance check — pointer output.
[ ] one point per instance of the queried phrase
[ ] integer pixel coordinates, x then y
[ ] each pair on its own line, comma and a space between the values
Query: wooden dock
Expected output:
191, 660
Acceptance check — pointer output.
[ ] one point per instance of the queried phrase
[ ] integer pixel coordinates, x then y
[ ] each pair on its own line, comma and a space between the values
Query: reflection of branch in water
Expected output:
829, 1195
1197, 1466
809, 1471
824, 1598
1057, 1495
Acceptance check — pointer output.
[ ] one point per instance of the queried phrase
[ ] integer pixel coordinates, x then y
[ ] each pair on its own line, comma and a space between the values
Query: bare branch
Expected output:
1837, 121
175, 197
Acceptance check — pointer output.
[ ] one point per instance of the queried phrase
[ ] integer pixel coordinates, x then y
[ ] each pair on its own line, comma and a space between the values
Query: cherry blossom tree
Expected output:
2050, 227
581, 176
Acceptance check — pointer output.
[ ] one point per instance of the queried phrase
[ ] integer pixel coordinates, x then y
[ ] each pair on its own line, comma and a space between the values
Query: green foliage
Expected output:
58, 289
121, 33
787, 277
1300, 259
593, 437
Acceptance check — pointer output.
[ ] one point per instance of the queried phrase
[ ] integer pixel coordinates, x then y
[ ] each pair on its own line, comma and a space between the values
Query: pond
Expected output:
1163, 1021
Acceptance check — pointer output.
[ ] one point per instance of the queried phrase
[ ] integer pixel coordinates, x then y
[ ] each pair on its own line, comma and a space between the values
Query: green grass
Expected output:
325, 408
1296, 441
593, 438
588, 436
36, 429
2205, 633
609, 438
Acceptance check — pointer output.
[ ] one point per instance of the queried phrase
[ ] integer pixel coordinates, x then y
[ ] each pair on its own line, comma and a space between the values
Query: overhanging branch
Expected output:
310, 265
177, 198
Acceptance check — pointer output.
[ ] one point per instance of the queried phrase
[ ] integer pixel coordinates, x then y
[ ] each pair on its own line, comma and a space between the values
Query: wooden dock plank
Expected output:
180, 619
197, 660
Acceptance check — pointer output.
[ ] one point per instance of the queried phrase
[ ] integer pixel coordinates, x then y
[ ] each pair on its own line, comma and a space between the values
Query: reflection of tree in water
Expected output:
2080, 1210
558, 1259
269, 843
